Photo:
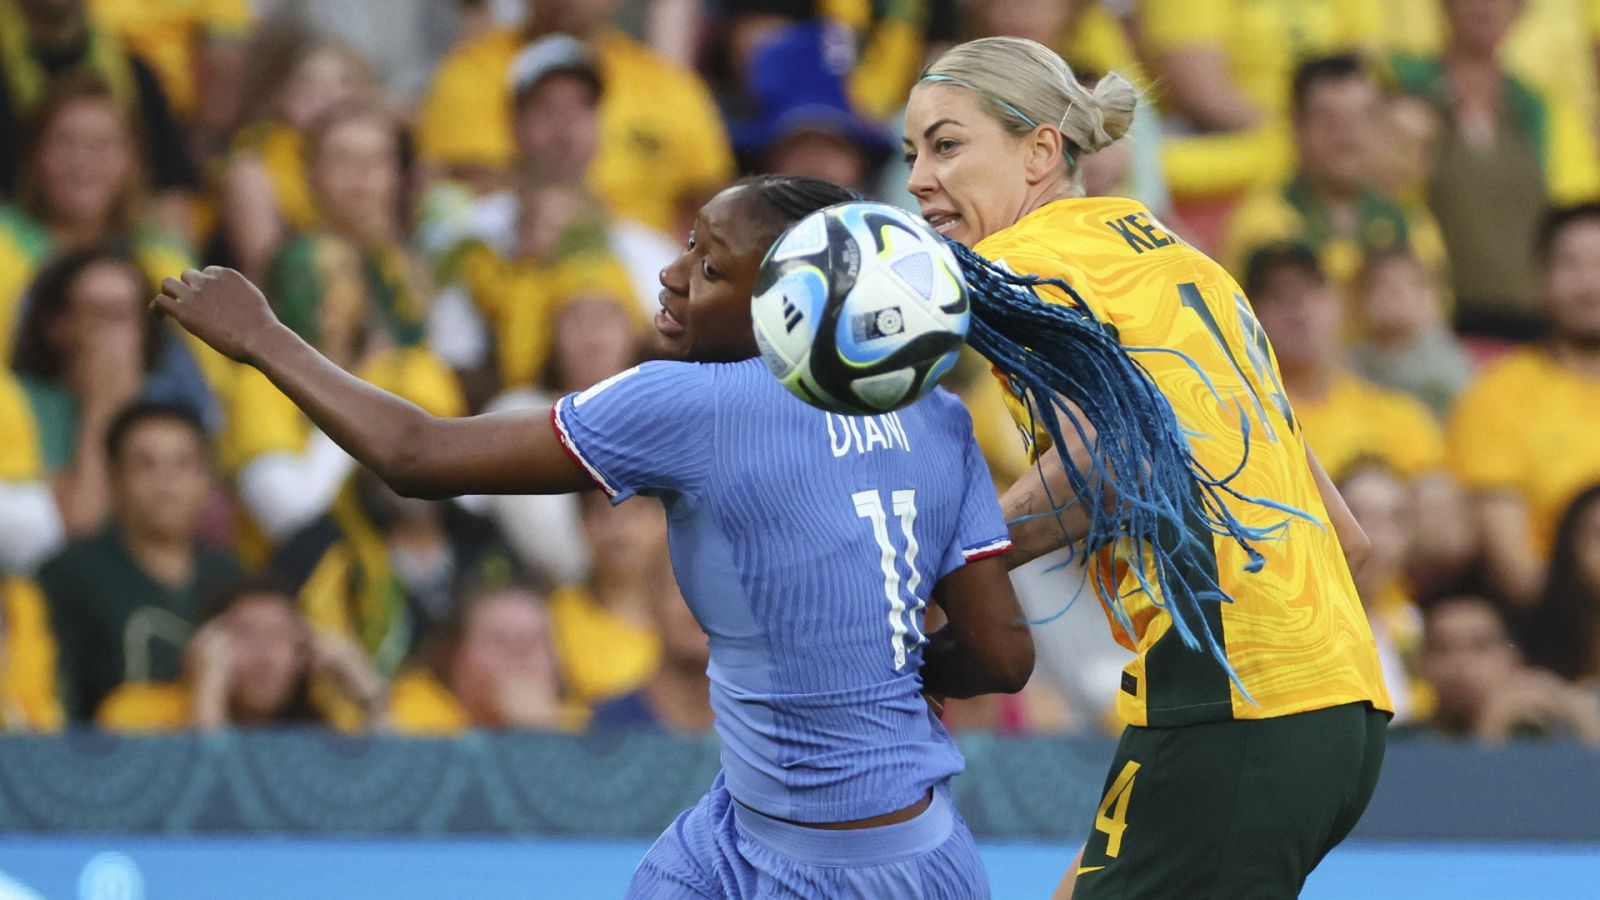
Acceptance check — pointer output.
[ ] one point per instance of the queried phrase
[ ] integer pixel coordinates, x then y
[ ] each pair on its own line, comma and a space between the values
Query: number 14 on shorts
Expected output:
1112, 816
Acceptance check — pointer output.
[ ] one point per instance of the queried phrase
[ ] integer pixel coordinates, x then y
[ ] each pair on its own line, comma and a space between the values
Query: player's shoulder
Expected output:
943, 411
666, 382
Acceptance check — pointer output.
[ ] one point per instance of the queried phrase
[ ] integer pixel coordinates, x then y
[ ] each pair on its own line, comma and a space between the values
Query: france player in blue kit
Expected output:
807, 544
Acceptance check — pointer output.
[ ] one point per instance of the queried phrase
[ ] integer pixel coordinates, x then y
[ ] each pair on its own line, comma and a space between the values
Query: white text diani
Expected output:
864, 434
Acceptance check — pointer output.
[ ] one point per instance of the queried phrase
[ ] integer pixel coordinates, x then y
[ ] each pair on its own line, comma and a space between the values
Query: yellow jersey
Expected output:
1295, 633
167, 33
661, 138
1262, 43
1527, 425
1357, 419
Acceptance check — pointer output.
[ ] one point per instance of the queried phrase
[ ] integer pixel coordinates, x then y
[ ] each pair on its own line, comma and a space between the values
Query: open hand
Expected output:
218, 306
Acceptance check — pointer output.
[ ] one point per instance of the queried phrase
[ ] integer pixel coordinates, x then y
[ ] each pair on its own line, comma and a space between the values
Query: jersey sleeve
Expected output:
980, 526
647, 430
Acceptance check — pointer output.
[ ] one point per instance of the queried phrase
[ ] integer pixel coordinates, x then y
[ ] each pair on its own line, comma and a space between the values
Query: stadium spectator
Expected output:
255, 663
605, 630
30, 523
555, 125
197, 49
1484, 689
403, 40
85, 349
805, 123
1522, 438
559, 249
1562, 634
1381, 503
591, 336
1410, 130
352, 280
28, 701
1225, 67
123, 603
1406, 344
1505, 149
491, 665
80, 187
1331, 203
677, 697
264, 197
45, 41
662, 146
379, 569
1345, 417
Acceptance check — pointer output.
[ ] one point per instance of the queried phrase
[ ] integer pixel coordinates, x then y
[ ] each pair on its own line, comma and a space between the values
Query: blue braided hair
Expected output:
1143, 486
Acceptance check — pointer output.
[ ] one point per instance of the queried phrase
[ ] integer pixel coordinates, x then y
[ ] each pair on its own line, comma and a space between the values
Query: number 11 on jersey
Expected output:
903, 630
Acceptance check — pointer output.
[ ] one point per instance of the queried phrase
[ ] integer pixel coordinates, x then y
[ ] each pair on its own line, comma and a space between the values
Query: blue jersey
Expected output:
807, 545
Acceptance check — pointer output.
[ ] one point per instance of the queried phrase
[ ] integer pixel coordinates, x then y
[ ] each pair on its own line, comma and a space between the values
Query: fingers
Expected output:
166, 305
176, 289
193, 277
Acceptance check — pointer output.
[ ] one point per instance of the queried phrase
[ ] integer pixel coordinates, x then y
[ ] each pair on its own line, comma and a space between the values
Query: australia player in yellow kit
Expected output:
1256, 715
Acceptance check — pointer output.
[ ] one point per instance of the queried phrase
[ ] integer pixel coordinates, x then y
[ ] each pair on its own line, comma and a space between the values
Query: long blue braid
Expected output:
1143, 489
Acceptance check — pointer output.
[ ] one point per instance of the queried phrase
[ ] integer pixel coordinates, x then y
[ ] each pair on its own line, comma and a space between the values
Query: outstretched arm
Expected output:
417, 454
986, 647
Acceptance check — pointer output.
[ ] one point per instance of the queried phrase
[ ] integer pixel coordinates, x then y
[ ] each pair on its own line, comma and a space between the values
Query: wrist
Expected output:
261, 344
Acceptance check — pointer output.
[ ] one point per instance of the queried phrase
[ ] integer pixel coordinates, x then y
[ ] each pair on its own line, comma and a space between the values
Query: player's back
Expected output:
1296, 633
807, 545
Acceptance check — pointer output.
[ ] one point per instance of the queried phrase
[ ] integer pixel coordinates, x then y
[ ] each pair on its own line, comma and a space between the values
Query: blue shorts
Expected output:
719, 849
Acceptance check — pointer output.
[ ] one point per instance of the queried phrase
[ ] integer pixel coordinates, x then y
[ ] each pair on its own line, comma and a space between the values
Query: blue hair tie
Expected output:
1072, 161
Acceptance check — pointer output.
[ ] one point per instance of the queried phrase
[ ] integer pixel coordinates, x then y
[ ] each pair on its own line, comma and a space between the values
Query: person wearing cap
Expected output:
556, 124
662, 145
806, 124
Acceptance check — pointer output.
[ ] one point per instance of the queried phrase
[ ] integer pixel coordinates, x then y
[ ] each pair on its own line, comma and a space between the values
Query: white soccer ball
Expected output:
860, 308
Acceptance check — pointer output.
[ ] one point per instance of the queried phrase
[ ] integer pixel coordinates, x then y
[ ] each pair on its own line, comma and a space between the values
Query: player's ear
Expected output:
1043, 156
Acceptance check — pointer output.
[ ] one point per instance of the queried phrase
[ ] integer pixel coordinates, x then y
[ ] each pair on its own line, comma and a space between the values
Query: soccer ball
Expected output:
860, 308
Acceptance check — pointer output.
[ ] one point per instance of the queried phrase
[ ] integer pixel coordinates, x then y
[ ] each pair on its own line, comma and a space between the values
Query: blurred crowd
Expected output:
467, 202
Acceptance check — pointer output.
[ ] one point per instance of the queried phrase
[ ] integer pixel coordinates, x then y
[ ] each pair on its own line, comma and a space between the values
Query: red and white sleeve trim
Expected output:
984, 551
577, 457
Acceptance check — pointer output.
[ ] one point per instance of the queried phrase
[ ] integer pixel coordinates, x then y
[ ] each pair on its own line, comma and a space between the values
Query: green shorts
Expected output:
1236, 810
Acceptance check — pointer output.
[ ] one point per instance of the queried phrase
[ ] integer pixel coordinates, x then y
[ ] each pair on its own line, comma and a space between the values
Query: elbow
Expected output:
404, 464
1357, 549
1011, 672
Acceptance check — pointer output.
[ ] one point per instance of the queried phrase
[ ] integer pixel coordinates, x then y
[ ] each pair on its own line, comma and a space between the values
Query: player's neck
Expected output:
680, 696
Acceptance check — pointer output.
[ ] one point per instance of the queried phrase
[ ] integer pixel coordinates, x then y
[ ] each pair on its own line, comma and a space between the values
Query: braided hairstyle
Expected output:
786, 199
1143, 489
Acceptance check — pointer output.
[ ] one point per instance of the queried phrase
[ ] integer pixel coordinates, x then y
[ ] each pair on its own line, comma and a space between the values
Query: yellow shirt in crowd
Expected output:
1528, 425
521, 299
1295, 633
28, 677
282, 154
1263, 42
1267, 216
601, 654
165, 33
1358, 419
661, 138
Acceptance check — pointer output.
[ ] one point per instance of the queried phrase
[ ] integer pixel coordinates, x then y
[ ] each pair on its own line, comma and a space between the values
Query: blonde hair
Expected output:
1025, 84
